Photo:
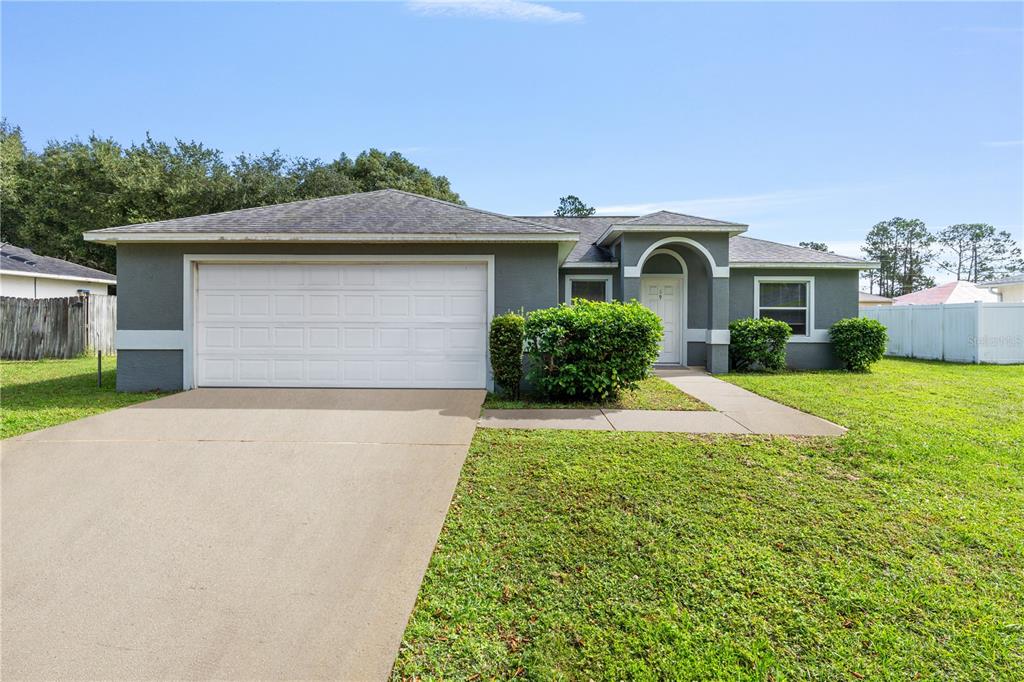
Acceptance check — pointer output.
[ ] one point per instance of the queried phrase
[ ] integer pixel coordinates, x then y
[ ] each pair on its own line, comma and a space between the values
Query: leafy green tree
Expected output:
815, 246
48, 199
904, 249
975, 252
374, 169
73, 187
14, 169
572, 205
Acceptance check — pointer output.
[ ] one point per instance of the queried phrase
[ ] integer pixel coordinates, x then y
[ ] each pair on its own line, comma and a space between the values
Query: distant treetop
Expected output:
573, 206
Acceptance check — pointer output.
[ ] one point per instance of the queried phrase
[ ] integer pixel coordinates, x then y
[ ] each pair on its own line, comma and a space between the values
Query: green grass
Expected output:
895, 552
41, 393
653, 393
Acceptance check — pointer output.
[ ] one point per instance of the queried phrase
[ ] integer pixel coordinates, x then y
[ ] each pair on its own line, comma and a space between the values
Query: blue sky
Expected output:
807, 121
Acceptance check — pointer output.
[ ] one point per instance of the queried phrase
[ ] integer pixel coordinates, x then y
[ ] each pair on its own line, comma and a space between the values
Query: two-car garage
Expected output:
341, 324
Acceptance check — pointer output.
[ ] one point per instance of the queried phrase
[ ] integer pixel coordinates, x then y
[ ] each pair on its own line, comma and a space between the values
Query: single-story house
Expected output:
1007, 289
388, 288
24, 274
950, 292
871, 300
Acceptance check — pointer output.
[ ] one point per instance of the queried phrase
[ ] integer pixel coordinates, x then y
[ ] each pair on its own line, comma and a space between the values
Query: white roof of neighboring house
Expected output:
1005, 281
865, 297
950, 292
15, 260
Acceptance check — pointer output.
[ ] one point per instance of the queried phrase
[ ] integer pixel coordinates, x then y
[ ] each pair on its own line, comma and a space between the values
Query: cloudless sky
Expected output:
808, 121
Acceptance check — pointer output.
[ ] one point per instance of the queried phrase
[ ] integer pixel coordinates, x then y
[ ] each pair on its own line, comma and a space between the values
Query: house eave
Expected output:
41, 275
592, 265
320, 237
853, 265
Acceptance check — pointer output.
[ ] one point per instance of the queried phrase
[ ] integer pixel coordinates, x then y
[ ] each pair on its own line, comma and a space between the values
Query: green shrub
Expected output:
858, 342
506, 346
591, 350
758, 343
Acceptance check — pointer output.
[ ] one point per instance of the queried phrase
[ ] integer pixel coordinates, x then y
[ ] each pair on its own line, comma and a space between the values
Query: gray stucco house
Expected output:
389, 288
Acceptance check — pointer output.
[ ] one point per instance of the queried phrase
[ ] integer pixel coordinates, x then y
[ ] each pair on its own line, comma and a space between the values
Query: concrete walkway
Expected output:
226, 534
737, 411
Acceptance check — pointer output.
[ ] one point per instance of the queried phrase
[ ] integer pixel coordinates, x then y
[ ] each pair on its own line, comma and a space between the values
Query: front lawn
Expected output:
895, 552
40, 393
652, 393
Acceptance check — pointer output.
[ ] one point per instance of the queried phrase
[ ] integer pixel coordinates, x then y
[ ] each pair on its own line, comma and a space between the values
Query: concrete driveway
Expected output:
226, 533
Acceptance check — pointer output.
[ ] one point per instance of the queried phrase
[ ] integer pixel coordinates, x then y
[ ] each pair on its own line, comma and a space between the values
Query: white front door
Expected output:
417, 325
664, 296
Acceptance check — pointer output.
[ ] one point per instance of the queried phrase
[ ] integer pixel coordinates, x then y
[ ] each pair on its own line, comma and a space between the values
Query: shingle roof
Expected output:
17, 259
671, 218
386, 211
751, 250
741, 249
590, 228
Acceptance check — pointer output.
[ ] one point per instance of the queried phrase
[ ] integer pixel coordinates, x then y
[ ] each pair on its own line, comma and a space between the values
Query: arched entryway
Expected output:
663, 284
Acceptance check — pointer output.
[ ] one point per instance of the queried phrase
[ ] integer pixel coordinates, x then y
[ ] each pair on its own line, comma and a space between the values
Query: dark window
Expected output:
590, 289
797, 319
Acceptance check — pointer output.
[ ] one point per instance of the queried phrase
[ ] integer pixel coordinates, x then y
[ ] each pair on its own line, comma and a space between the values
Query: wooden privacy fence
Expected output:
102, 323
34, 328
956, 332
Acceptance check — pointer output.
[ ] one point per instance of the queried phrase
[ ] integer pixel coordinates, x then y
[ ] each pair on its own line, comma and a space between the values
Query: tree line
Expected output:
49, 198
906, 250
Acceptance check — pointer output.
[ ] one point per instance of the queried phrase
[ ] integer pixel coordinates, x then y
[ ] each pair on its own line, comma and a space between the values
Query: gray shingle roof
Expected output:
671, 218
386, 211
17, 259
590, 228
751, 250
741, 249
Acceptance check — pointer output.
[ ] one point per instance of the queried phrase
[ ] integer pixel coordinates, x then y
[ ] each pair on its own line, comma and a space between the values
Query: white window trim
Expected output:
191, 261
607, 279
811, 334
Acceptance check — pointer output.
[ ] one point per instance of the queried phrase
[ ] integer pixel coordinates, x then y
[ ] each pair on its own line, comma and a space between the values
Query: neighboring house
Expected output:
870, 300
388, 288
24, 274
950, 292
1007, 289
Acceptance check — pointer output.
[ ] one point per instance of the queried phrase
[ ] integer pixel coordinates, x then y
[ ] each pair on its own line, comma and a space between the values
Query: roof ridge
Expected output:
575, 217
316, 200
242, 210
694, 217
471, 208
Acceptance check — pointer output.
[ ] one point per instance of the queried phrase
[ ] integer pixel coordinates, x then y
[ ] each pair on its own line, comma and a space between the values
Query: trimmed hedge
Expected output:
858, 342
758, 343
591, 350
506, 346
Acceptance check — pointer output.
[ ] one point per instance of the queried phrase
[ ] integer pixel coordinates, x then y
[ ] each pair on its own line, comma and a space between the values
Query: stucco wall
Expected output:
835, 292
835, 298
150, 281
1011, 293
46, 287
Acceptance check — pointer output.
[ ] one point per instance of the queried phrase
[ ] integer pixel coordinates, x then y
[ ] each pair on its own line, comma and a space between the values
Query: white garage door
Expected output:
359, 325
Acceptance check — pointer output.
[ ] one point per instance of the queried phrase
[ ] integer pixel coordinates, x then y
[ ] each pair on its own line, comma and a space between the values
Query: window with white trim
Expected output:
788, 300
589, 287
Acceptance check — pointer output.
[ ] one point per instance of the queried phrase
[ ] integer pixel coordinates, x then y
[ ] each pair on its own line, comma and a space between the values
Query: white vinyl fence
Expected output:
955, 332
